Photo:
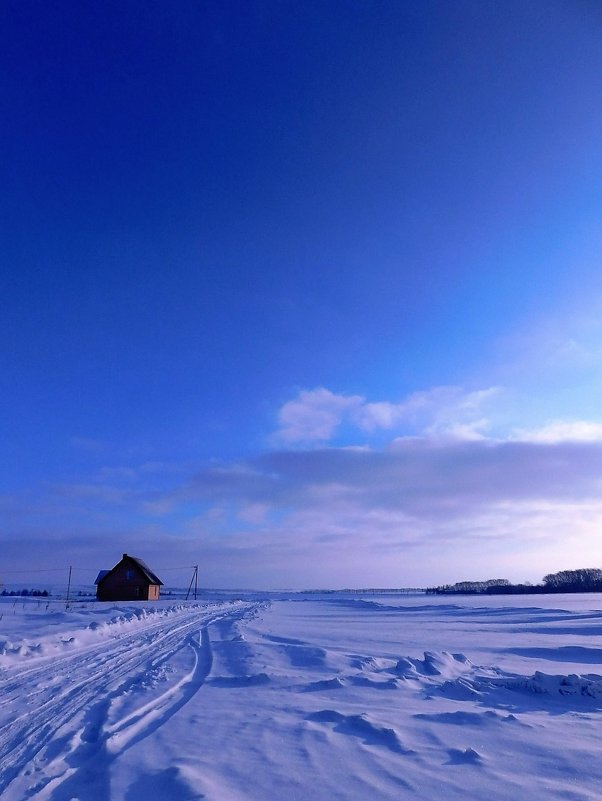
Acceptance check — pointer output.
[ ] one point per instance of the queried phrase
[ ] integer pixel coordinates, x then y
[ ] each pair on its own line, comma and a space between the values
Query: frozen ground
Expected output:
310, 697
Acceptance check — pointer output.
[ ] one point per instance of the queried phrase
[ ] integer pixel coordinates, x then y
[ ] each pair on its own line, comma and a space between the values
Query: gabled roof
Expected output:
152, 577
148, 574
101, 575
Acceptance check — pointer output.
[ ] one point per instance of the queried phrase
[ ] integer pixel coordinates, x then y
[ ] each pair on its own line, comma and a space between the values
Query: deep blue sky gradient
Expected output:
208, 207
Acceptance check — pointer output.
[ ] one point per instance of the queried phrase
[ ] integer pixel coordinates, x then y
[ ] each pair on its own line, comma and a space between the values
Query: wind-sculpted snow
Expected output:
433, 664
455, 676
361, 726
570, 686
333, 699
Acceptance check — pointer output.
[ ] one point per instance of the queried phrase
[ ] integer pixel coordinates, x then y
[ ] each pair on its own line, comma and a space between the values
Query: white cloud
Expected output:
562, 431
431, 509
419, 491
448, 411
371, 416
461, 505
451, 411
314, 415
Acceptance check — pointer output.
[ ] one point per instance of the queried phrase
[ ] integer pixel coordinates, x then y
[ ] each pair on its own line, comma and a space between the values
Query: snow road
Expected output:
78, 703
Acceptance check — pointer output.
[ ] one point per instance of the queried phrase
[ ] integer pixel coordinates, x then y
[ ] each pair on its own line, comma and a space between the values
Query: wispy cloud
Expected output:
473, 501
423, 509
315, 416
406, 492
417, 477
559, 431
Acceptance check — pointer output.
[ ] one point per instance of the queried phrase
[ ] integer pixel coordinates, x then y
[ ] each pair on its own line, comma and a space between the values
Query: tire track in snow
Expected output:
139, 724
88, 680
18, 674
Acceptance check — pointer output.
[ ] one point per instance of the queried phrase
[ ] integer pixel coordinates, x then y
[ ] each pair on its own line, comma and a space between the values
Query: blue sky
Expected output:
306, 293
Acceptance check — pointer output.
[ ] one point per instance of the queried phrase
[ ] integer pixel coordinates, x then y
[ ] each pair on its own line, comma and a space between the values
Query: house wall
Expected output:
126, 583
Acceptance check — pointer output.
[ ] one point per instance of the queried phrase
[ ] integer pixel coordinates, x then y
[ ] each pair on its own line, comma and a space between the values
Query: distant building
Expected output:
130, 580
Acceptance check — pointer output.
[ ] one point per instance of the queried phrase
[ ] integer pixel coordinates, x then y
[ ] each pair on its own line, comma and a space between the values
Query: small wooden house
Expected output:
130, 580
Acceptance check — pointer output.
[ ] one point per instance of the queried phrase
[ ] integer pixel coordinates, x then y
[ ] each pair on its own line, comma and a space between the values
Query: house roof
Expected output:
151, 577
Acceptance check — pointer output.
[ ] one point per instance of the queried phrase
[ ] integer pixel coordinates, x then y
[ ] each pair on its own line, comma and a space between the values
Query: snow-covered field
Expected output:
307, 697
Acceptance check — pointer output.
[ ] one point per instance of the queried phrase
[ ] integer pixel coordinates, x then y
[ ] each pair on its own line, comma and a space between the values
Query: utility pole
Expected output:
194, 580
68, 588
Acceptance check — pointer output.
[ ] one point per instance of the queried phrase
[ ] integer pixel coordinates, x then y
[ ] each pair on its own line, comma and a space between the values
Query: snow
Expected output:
262, 697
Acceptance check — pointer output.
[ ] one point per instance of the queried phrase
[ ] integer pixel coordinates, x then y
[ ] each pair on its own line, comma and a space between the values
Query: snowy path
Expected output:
74, 700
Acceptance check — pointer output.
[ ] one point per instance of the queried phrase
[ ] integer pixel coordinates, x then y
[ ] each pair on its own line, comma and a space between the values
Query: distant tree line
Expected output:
588, 579
25, 593
583, 580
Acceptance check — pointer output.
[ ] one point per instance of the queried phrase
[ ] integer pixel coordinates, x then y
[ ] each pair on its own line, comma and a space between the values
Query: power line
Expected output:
81, 569
184, 567
37, 570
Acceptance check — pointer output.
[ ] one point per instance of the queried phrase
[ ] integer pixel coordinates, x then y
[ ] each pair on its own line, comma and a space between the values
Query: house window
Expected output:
128, 575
